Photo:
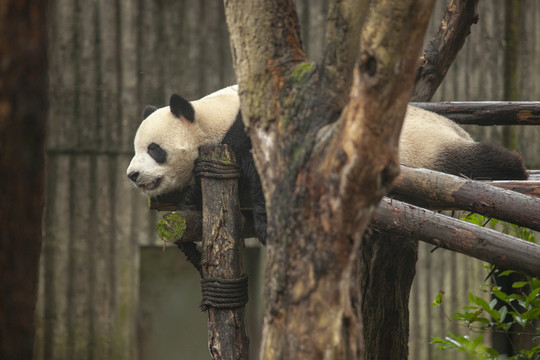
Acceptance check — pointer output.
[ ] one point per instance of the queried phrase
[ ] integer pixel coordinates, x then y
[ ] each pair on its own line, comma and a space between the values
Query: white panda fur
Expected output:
180, 139
427, 140
416, 147
167, 141
431, 141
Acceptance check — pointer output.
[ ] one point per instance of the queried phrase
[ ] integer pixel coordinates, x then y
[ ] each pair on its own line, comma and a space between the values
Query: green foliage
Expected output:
519, 308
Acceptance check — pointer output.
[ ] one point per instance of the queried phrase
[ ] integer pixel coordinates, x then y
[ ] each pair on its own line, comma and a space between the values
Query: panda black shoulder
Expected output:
237, 139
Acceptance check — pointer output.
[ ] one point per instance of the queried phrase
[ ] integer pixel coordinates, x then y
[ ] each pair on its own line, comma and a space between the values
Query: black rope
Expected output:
224, 293
216, 169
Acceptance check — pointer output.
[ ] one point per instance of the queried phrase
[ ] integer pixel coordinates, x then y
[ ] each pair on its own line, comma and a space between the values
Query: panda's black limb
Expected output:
240, 144
480, 161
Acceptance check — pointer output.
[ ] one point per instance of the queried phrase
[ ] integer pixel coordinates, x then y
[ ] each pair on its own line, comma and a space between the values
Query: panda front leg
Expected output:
191, 196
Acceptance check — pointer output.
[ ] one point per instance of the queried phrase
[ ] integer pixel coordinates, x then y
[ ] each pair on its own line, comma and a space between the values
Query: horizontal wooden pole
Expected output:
531, 188
443, 231
487, 112
438, 190
186, 226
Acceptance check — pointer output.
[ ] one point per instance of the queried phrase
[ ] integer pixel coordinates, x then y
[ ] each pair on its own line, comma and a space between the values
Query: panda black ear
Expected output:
147, 111
181, 107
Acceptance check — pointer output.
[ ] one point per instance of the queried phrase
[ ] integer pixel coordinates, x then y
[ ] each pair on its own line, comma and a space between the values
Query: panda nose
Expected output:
133, 176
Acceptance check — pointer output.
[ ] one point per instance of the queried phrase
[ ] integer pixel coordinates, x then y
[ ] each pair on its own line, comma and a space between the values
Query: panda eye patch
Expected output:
157, 153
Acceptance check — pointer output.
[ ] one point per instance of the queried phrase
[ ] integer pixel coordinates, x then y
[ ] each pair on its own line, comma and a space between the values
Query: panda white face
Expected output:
168, 139
165, 151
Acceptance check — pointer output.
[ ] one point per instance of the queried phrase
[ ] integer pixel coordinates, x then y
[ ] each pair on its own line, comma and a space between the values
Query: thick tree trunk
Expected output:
321, 186
386, 287
23, 113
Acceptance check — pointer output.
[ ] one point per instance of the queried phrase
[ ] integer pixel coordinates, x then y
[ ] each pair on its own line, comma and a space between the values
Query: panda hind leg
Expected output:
481, 161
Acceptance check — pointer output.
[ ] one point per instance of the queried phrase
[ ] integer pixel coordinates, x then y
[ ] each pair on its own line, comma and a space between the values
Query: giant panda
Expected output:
166, 146
432, 141
167, 141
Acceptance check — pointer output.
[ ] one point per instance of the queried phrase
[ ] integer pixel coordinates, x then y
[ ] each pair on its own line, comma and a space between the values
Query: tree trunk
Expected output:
386, 288
23, 113
324, 168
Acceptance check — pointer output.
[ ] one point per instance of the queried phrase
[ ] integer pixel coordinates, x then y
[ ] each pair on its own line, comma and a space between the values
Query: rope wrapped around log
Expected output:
216, 169
224, 293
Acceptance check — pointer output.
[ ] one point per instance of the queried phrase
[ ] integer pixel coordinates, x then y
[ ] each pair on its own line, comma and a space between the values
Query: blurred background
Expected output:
108, 289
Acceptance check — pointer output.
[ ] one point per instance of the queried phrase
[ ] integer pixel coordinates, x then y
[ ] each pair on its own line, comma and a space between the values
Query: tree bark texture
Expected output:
487, 113
529, 187
433, 189
443, 231
222, 247
385, 303
321, 185
443, 48
23, 114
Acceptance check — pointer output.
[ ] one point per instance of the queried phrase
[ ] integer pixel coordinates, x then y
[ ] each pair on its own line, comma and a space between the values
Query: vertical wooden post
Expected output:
222, 250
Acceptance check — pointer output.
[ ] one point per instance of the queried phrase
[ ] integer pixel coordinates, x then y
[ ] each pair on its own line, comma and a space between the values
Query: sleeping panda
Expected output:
431, 141
167, 141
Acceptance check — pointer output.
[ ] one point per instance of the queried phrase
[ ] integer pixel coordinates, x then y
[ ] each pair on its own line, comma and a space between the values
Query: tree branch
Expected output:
434, 189
345, 21
443, 231
263, 47
380, 92
444, 47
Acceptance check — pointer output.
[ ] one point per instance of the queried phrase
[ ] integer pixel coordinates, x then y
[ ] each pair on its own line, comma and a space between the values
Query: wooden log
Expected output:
443, 231
486, 113
180, 226
528, 187
222, 255
186, 226
433, 189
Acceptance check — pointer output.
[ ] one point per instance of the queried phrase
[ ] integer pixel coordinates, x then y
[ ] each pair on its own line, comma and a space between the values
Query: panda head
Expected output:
167, 141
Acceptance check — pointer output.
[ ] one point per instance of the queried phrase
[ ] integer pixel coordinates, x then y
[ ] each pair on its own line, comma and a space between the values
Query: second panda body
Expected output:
167, 141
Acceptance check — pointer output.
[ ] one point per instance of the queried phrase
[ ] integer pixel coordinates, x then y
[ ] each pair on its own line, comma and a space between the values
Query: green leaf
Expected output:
503, 311
507, 272
519, 284
498, 293
438, 299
